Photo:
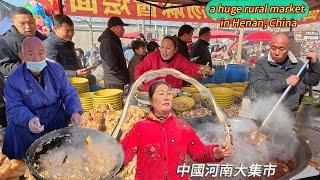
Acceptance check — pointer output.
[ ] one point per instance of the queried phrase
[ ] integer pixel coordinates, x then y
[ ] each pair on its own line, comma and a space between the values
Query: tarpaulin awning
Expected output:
131, 35
221, 34
186, 10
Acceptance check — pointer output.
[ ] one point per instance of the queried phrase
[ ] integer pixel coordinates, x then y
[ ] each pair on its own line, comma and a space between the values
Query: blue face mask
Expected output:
36, 66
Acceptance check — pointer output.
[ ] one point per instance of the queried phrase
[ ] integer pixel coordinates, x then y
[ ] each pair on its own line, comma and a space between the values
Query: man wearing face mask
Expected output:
23, 26
39, 99
61, 49
274, 74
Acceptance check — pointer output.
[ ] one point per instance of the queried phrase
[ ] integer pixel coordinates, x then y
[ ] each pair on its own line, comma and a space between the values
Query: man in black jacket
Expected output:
24, 26
200, 50
116, 74
60, 47
200, 47
184, 36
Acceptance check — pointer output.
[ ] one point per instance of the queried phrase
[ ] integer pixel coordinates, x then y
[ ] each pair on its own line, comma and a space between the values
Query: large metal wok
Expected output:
208, 130
72, 134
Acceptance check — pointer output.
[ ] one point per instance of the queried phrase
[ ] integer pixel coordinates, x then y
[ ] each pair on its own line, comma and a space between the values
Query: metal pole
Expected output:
60, 7
238, 59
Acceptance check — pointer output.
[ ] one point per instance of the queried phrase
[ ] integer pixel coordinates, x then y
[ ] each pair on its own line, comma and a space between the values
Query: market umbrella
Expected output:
259, 36
133, 35
221, 34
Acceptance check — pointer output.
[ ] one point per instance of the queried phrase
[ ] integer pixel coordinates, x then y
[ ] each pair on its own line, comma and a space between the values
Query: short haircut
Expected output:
21, 10
23, 44
185, 29
204, 30
59, 19
172, 39
151, 46
154, 86
136, 44
80, 50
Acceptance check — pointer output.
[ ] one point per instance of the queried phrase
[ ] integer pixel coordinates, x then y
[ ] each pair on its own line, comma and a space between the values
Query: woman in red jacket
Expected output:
167, 57
161, 141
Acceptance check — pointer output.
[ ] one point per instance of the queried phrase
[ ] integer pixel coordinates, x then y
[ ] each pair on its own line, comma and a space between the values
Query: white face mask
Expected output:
36, 66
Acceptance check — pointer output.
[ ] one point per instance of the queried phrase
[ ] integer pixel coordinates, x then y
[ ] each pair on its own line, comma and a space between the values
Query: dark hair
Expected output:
141, 35
185, 29
80, 50
92, 79
21, 10
151, 46
59, 19
154, 86
204, 30
136, 44
172, 39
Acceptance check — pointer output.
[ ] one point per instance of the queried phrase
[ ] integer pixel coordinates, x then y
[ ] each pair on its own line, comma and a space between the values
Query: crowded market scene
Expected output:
159, 89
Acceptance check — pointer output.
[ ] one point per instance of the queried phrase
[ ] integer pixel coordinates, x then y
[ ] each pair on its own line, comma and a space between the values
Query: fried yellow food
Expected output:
12, 169
105, 118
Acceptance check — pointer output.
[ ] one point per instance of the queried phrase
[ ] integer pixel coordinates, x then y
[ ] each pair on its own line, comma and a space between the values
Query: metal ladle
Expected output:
257, 136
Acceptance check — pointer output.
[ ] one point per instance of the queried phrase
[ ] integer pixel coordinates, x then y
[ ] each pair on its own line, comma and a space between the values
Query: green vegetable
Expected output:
309, 100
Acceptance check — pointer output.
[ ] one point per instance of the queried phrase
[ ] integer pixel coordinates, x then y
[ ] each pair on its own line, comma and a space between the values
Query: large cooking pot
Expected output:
59, 137
291, 145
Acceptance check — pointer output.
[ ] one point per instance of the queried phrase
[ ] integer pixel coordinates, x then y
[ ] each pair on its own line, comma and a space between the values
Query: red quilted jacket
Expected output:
153, 61
161, 146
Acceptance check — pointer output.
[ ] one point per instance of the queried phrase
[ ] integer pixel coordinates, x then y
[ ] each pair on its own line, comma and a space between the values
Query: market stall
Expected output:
212, 109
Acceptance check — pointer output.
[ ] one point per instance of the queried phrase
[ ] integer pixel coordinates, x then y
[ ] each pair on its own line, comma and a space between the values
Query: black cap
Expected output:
115, 21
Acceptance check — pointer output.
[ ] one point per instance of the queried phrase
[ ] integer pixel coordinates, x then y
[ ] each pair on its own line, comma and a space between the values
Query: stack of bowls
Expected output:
239, 88
224, 96
211, 85
190, 90
193, 91
108, 96
240, 84
228, 85
81, 84
86, 101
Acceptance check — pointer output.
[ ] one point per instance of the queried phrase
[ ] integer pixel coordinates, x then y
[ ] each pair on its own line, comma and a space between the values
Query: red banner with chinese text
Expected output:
132, 9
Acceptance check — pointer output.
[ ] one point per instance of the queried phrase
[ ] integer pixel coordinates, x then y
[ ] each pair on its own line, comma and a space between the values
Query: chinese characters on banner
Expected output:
132, 9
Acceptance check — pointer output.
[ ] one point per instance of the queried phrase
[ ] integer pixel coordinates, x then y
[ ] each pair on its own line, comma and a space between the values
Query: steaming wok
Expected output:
59, 138
301, 155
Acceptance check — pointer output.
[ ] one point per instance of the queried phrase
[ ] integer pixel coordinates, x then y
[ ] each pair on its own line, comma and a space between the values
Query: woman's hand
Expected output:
205, 70
76, 119
35, 126
222, 152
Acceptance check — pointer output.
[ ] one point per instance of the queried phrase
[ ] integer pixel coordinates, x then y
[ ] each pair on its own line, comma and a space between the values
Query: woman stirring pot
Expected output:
161, 141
